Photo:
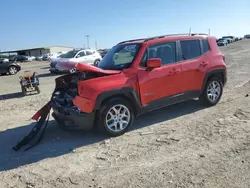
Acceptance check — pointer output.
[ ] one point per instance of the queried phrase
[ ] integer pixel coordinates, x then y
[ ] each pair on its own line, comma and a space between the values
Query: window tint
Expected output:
190, 49
89, 52
165, 51
205, 45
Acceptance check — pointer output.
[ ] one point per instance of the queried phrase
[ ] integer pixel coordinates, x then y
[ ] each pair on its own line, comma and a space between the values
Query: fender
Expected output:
125, 91
215, 71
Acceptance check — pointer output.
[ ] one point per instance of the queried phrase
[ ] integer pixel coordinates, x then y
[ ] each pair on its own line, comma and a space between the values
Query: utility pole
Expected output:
208, 31
87, 36
190, 31
96, 45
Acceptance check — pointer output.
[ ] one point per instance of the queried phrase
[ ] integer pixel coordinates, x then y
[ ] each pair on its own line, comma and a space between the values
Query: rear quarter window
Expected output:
205, 45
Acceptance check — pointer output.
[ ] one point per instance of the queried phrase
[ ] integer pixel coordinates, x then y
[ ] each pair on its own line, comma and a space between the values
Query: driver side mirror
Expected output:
154, 63
78, 56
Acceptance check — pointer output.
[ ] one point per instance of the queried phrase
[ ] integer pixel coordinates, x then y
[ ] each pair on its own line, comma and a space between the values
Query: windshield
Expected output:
70, 54
119, 57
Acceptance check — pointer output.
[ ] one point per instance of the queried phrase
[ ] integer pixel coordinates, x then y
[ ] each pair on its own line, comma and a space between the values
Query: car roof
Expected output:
162, 38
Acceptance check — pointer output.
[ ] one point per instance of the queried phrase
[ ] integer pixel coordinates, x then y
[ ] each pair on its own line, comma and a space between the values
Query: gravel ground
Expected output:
185, 145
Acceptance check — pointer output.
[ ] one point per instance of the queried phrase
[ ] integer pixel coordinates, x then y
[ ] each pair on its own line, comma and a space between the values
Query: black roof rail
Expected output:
163, 36
179, 34
131, 40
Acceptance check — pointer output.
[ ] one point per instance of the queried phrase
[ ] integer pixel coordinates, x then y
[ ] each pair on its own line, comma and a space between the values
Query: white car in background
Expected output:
68, 60
31, 58
55, 56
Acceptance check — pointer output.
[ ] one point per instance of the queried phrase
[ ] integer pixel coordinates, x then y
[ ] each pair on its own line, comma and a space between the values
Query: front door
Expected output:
160, 83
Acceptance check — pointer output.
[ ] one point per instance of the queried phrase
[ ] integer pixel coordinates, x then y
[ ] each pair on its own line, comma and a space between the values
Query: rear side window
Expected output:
190, 49
205, 45
89, 52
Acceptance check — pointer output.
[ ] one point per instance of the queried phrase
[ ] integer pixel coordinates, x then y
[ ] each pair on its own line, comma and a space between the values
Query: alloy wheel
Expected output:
118, 118
12, 70
213, 91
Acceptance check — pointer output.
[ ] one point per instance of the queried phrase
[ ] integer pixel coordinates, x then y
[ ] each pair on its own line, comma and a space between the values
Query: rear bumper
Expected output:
71, 119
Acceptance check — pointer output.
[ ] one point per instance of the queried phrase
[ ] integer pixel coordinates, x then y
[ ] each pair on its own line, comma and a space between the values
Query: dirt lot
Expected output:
185, 145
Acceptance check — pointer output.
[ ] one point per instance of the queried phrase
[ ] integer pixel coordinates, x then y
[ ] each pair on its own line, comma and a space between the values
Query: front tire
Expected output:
12, 70
115, 117
212, 92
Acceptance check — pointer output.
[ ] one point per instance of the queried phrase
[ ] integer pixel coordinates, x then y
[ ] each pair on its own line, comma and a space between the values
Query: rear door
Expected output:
90, 56
194, 61
160, 83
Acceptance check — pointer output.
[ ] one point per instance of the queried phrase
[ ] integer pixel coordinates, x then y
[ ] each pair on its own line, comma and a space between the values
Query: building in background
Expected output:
39, 51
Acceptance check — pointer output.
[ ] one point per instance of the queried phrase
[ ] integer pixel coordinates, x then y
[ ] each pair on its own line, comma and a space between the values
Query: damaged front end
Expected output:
65, 112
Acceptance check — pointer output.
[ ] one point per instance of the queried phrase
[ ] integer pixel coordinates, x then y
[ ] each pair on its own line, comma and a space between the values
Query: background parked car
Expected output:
31, 58
66, 61
103, 52
56, 56
222, 42
229, 40
39, 58
9, 67
4, 60
19, 58
247, 36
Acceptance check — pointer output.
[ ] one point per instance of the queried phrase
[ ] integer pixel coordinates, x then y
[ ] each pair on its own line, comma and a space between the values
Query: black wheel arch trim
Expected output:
127, 92
215, 71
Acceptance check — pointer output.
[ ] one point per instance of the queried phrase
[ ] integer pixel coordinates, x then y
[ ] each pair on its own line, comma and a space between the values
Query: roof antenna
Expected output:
189, 31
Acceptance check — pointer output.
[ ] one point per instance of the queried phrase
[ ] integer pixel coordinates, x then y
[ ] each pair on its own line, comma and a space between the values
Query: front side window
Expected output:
80, 54
165, 51
120, 57
190, 49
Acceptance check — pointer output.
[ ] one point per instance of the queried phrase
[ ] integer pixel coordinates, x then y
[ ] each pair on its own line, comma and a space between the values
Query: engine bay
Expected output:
67, 88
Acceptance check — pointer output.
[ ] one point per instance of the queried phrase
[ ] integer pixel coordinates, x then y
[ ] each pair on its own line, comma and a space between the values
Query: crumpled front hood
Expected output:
90, 68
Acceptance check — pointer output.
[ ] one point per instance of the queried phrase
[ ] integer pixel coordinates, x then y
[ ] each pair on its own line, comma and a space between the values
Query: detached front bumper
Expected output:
72, 119
54, 70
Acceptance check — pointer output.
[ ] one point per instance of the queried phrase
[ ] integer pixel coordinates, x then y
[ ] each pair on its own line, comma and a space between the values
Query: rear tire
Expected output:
212, 92
96, 63
115, 117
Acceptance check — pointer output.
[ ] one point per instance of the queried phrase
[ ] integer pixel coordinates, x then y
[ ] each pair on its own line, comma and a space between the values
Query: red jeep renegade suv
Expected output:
138, 76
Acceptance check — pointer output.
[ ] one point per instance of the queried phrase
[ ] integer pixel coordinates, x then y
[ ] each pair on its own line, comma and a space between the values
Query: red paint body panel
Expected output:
90, 89
83, 104
159, 83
